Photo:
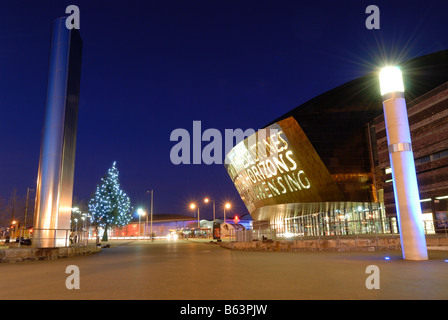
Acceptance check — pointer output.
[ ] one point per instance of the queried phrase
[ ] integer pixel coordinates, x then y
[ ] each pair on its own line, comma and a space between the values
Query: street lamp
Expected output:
140, 214
207, 200
193, 206
226, 206
13, 229
407, 198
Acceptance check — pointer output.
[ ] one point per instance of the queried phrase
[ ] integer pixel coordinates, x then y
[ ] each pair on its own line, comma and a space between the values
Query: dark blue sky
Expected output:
150, 67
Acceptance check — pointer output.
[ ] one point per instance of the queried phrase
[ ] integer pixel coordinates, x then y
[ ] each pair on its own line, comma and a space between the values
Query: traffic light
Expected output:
236, 219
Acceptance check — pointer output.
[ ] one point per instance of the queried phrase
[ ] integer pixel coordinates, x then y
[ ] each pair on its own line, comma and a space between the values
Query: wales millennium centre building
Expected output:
323, 168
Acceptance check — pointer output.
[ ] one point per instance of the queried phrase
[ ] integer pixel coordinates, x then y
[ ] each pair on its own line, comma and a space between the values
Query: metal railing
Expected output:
269, 232
59, 238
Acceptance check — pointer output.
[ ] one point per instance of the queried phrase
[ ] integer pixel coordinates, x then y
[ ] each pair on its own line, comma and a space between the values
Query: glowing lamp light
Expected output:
227, 206
236, 219
391, 80
192, 206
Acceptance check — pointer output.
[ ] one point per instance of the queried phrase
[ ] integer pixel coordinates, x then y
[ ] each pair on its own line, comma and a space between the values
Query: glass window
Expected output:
428, 223
425, 159
444, 154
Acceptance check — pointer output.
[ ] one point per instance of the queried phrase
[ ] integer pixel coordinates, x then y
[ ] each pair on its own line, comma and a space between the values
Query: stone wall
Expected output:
437, 241
12, 255
338, 245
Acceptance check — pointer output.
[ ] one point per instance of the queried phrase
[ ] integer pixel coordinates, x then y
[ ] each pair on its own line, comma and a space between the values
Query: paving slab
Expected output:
199, 270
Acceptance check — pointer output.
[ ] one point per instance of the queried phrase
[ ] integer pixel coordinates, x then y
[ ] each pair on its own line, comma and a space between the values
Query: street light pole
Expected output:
193, 206
206, 200
139, 224
226, 206
407, 198
224, 214
152, 199
26, 205
140, 213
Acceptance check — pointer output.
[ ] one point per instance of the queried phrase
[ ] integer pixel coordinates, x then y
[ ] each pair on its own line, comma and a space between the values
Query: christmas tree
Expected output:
110, 206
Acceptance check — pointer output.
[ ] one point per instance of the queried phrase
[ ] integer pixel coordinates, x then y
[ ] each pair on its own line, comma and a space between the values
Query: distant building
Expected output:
161, 225
428, 121
185, 225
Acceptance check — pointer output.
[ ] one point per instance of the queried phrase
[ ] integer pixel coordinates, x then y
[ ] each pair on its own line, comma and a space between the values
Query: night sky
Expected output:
150, 67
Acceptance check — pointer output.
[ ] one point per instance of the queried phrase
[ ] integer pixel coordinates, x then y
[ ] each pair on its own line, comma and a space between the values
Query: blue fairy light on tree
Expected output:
110, 206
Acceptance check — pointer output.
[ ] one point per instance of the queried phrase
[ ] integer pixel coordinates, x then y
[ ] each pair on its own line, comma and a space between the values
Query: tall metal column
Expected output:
54, 189
407, 198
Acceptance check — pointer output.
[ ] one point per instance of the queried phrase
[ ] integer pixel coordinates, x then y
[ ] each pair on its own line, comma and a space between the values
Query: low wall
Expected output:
338, 245
437, 241
12, 255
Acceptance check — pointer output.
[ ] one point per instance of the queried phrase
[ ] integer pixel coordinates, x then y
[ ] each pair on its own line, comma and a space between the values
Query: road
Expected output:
193, 270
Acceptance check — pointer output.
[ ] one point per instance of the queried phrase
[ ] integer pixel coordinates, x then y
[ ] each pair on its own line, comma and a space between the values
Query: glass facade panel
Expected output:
345, 218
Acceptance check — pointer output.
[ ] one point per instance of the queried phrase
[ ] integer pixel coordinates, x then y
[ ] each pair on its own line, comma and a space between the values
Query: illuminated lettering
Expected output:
308, 185
295, 184
266, 189
285, 144
270, 145
263, 167
253, 153
273, 188
255, 170
270, 165
274, 141
251, 176
260, 193
277, 142
288, 156
264, 154
281, 164
279, 180
237, 135
289, 186
247, 160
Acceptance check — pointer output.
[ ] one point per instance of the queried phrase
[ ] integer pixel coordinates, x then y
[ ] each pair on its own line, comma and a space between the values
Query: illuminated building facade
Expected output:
428, 119
54, 189
319, 169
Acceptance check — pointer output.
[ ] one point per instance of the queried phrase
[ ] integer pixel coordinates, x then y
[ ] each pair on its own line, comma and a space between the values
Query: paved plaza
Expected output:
199, 270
